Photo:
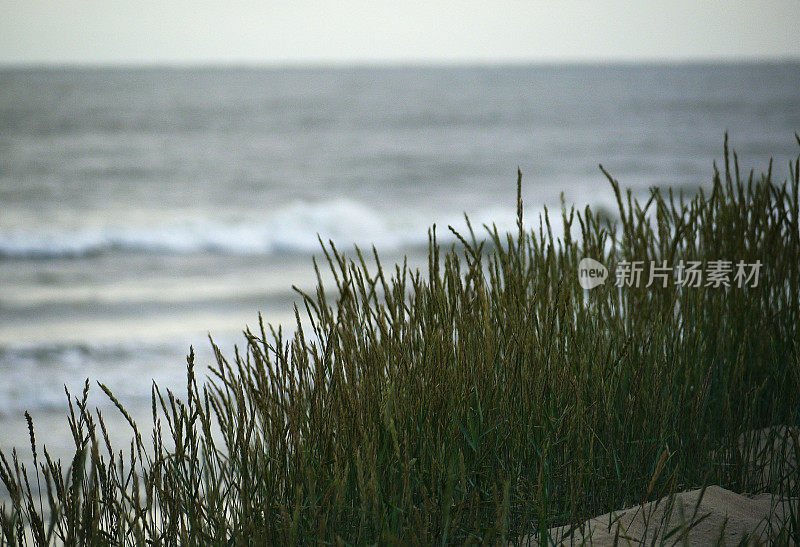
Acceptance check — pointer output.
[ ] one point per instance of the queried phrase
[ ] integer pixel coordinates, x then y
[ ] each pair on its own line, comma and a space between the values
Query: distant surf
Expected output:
295, 228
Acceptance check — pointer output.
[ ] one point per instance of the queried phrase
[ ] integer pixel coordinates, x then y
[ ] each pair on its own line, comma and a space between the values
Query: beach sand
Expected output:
711, 517
714, 516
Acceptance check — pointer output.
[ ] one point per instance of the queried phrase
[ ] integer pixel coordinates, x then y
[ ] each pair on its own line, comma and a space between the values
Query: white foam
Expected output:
291, 229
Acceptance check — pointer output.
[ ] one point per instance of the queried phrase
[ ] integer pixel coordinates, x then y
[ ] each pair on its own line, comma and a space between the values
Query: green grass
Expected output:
487, 398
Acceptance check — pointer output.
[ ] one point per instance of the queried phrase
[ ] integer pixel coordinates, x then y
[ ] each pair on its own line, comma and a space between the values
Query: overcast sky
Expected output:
344, 31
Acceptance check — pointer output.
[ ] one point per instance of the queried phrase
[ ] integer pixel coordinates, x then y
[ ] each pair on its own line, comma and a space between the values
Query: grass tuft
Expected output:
487, 399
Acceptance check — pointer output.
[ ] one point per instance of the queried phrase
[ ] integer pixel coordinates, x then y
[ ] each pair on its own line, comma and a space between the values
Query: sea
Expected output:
143, 210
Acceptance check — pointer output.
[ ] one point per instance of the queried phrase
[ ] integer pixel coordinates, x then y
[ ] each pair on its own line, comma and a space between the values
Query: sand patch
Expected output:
714, 516
710, 517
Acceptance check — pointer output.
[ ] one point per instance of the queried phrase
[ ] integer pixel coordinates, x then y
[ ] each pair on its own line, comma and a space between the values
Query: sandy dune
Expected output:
719, 516
714, 516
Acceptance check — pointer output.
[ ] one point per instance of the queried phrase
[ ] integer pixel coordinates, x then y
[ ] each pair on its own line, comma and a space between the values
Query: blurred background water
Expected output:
142, 209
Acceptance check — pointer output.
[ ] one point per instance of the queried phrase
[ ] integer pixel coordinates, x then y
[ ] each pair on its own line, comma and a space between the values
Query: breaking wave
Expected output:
293, 229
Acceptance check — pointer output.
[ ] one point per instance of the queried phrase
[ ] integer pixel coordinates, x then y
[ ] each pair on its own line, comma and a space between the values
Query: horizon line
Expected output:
395, 63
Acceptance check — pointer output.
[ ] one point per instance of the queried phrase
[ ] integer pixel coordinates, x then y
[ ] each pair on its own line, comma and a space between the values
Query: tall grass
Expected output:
487, 398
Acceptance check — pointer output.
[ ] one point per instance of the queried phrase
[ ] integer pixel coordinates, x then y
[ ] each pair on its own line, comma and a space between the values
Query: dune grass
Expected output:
489, 398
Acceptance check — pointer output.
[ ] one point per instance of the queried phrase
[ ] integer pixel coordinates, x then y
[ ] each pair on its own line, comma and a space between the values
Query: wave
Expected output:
34, 375
293, 229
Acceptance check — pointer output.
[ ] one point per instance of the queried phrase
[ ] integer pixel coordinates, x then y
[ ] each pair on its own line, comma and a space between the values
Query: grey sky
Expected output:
197, 31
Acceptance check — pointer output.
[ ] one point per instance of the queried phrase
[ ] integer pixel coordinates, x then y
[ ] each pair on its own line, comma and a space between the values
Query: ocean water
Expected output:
143, 209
